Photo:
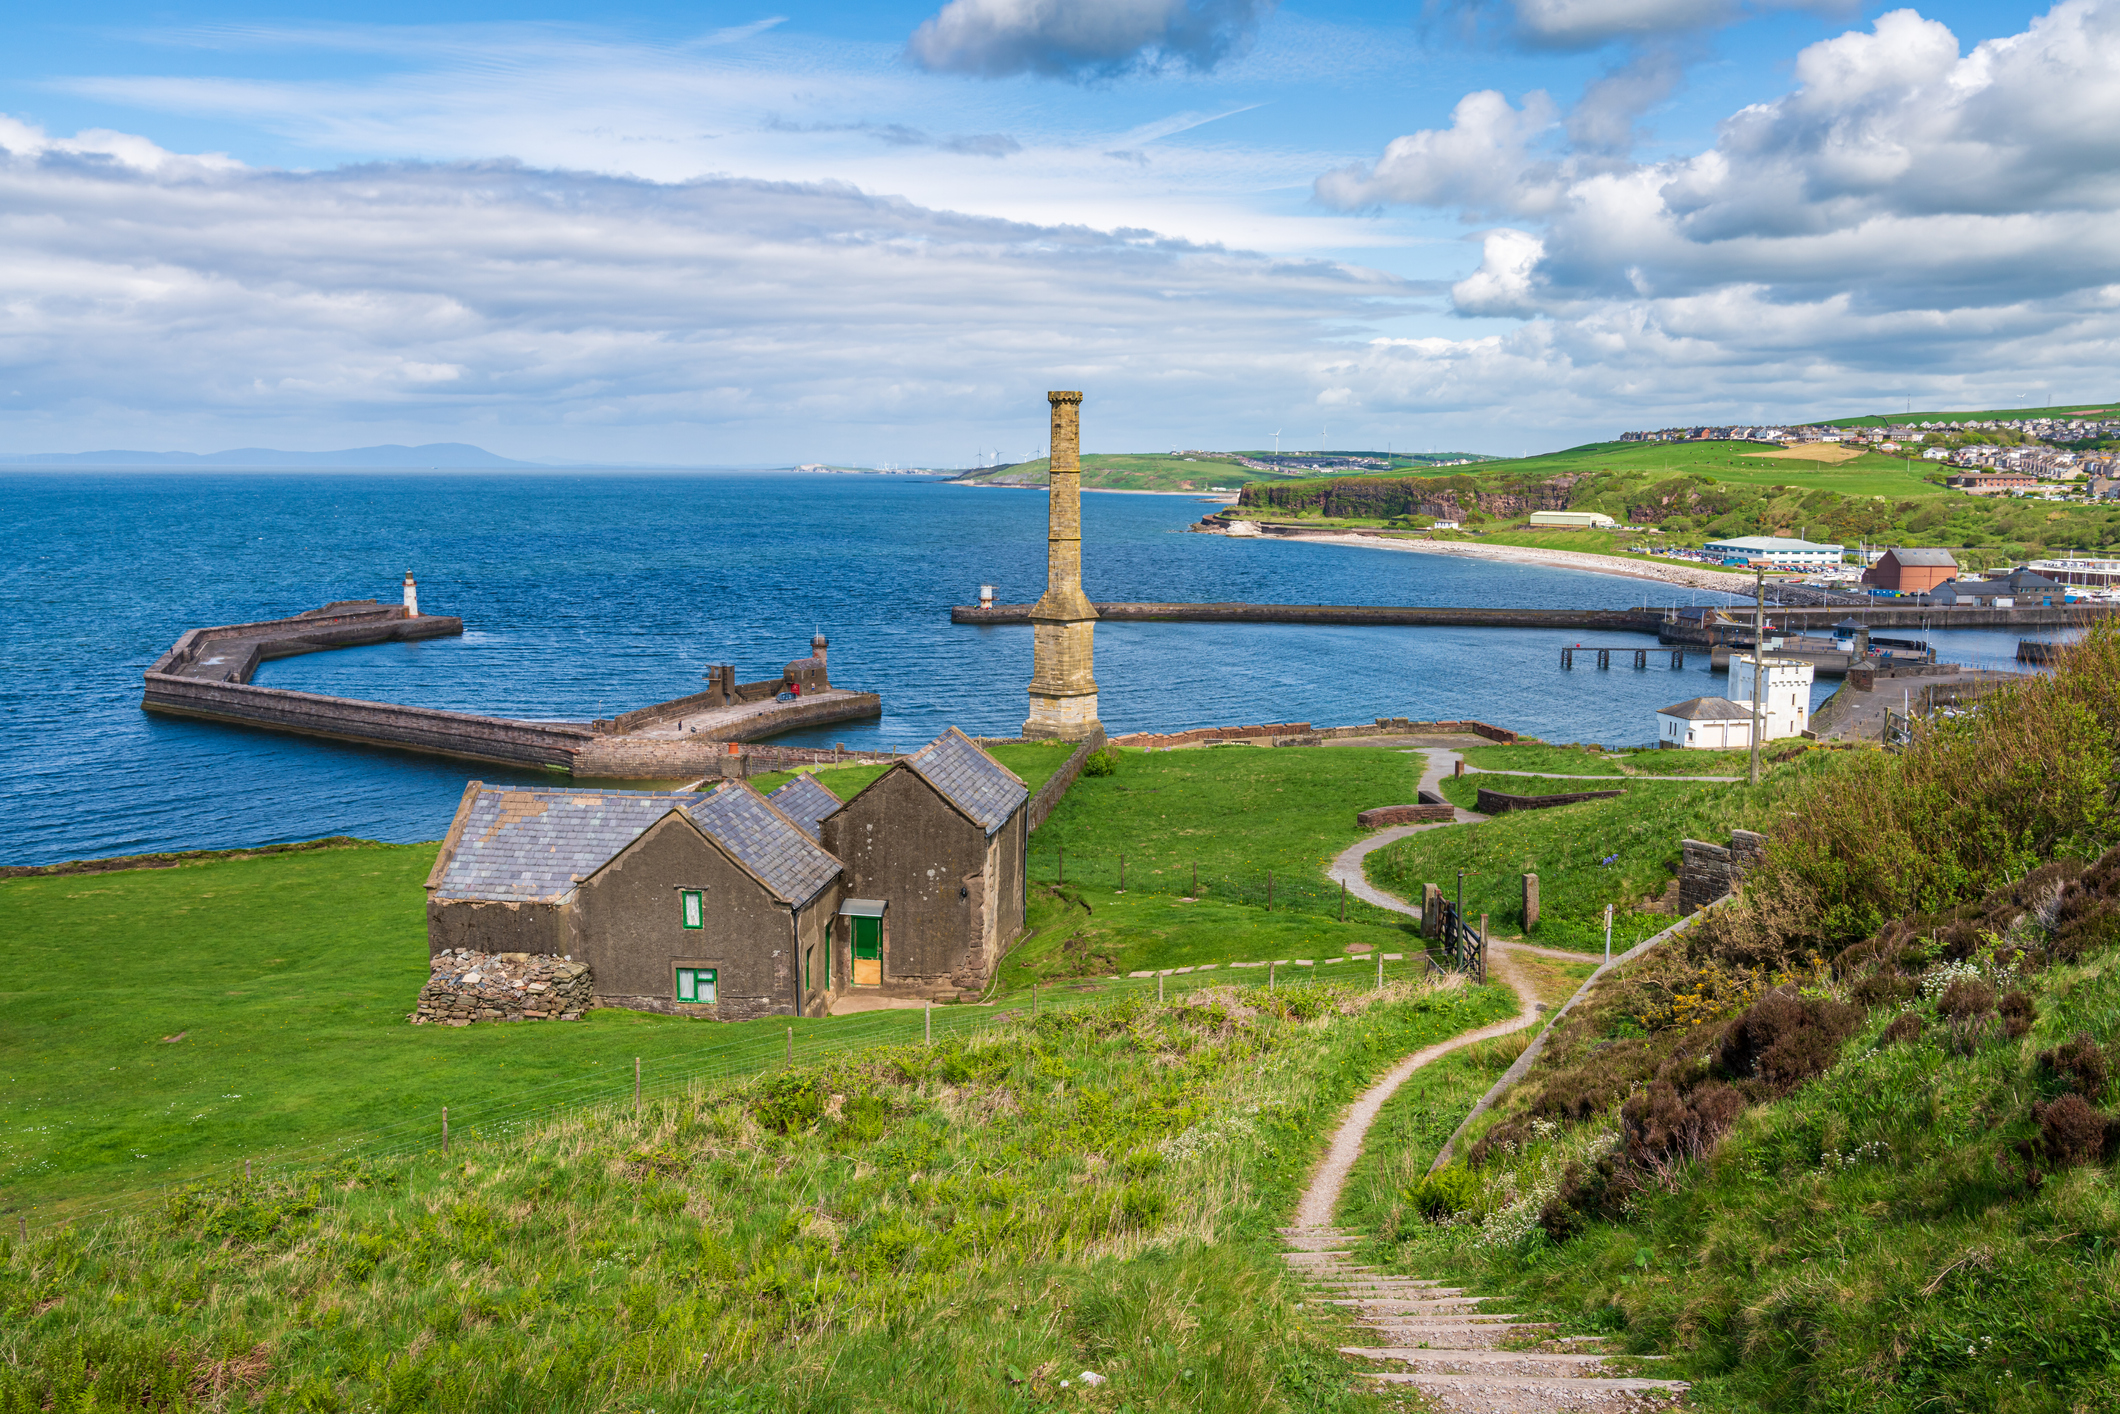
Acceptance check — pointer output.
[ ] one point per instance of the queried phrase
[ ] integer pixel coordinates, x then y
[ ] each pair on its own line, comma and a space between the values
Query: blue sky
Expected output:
878, 233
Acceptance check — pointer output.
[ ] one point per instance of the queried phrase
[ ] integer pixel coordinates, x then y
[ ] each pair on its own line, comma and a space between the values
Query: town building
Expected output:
1911, 571
1704, 723
1783, 688
934, 850
1571, 520
2020, 588
1774, 552
716, 906
1993, 483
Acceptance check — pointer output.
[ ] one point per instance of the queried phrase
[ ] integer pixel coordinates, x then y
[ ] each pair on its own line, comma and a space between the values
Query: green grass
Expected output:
1412, 1127
1130, 472
2017, 414
948, 1228
1035, 762
1566, 847
1539, 756
1234, 812
1090, 931
289, 979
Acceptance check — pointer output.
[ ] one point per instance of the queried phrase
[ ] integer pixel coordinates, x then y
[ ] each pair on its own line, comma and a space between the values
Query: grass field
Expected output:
287, 980
1568, 848
1131, 472
1235, 813
1592, 761
956, 1227
2017, 414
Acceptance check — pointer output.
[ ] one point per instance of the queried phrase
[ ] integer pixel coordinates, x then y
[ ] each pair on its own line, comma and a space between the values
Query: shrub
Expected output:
1445, 1192
2079, 1065
1785, 1040
2071, 1132
1907, 1026
1102, 763
2019, 1013
1662, 1128
786, 1103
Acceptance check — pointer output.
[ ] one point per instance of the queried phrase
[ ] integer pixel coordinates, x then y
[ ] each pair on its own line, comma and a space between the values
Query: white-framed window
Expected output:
692, 907
696, 985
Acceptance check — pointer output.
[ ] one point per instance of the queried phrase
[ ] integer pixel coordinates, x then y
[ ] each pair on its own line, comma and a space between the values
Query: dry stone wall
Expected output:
1709, 871
465, 986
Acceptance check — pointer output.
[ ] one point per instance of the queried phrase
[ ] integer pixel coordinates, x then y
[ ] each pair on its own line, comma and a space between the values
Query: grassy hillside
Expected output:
963, 1226
162, 1021
1692, 492
1850, 1143
2014, 414
1130, 472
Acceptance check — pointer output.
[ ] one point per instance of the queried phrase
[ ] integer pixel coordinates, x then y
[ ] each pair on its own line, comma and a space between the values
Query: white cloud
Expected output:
1082, 38
1482, 162
1583, 24
560, 314
1904, 214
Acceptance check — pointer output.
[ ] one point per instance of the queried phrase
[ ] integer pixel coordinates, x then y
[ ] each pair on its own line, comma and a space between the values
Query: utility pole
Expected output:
1759, 639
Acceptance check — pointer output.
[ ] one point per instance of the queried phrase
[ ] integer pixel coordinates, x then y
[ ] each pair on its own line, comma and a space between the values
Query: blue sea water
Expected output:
586, 594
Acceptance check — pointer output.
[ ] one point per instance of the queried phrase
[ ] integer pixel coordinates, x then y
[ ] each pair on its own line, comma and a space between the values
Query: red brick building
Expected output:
1911, 571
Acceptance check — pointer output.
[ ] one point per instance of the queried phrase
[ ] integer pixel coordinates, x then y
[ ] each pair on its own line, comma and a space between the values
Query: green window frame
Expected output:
692, 906
697, 985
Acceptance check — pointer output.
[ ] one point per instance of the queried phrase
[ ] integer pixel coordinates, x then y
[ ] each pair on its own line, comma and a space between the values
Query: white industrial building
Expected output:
1775, 552
1571, 520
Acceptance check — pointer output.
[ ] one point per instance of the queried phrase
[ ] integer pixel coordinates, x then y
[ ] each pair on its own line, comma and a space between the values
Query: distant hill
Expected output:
433, 454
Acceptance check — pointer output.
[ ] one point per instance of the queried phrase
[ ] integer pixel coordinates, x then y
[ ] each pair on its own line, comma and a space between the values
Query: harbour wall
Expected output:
1639, 620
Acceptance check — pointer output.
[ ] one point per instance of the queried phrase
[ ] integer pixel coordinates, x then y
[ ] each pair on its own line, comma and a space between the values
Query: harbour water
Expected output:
589, 594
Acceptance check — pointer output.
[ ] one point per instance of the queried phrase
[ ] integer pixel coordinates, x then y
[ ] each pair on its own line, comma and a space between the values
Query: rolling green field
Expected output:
1128, 472
2016, 414
1592, 761
282, 983
955, 1227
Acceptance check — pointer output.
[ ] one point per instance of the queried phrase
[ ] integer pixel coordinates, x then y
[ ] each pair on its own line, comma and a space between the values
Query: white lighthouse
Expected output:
412, 597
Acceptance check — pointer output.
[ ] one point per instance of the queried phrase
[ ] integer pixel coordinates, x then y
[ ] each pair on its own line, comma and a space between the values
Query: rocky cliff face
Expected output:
1383, 497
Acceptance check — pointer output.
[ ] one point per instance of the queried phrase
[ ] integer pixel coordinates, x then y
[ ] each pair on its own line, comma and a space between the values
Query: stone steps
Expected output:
1445, 1344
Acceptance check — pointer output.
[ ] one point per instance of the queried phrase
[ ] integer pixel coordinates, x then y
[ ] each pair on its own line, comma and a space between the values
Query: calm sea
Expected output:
589, 594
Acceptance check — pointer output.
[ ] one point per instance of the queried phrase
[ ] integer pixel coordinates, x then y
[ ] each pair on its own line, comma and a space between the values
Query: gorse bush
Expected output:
961, 1226
1978, 800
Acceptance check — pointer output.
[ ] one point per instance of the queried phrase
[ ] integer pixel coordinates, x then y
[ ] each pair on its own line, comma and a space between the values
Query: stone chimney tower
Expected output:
412, 597
1063, 692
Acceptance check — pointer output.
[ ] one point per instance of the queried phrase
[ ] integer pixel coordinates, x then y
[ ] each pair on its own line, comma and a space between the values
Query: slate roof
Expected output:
1712, 709
770, 844
805, 802
975, 782
1923, 557
533, 845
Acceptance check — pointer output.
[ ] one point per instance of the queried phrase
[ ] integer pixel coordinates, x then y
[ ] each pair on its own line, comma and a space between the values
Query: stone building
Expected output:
716, 906
805, 802
935, 883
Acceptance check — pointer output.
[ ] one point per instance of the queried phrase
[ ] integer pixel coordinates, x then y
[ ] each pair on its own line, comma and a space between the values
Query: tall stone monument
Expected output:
1063, 692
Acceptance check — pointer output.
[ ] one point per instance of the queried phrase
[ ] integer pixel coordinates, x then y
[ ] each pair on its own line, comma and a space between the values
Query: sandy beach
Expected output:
1684, 576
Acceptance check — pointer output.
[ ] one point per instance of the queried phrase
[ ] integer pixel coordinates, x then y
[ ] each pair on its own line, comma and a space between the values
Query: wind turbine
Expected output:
1277, 444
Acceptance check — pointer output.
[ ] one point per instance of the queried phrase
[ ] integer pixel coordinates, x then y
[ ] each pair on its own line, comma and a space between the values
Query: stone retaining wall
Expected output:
465, 986
1494, 802
642, 758
1707, 872
1049, 794
1405, 815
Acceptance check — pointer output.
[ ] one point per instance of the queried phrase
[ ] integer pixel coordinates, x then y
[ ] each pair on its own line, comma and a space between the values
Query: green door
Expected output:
868, 952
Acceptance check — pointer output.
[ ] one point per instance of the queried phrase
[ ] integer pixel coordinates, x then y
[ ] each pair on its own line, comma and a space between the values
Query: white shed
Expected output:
1705, 723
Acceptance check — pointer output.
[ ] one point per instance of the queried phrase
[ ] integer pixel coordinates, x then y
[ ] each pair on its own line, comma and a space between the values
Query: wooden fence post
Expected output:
445, 1131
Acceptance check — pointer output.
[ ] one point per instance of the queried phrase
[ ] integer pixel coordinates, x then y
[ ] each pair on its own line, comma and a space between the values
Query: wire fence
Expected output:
1276, 891
747, 1050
